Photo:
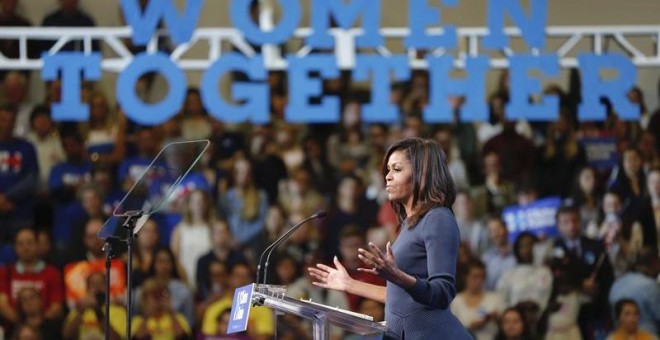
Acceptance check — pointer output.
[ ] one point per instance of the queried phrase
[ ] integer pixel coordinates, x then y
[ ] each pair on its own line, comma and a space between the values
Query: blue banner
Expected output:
600, 151
240, 309
537, 217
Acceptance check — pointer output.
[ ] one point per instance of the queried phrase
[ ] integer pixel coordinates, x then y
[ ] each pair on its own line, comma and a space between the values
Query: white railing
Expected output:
640, 43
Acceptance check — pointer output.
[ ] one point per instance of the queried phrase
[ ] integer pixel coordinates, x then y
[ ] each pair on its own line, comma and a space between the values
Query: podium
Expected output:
320, 315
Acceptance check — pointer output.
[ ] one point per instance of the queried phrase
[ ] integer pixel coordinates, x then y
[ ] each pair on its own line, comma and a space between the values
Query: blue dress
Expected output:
428, 252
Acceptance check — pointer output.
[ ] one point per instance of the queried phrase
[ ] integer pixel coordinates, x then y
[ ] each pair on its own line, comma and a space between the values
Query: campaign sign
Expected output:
537, 217
240, 309
600, 151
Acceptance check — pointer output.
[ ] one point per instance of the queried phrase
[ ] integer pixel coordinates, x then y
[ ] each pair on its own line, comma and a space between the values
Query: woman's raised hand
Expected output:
383, 264
336, 278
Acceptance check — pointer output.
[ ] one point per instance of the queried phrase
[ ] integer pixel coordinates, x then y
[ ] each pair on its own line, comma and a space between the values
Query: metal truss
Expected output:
640, 43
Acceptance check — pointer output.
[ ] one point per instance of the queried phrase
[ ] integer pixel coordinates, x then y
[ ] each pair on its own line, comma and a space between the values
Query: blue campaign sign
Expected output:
600, 151
240, 309
537, 217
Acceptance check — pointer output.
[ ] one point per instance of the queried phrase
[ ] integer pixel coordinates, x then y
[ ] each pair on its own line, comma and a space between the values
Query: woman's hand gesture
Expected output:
336, 278
383, 264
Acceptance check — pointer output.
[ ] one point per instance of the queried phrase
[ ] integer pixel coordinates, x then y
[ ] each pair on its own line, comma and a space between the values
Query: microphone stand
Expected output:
277, 242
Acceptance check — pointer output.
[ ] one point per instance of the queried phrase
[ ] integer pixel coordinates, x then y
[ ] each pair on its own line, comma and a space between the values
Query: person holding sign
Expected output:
420, 266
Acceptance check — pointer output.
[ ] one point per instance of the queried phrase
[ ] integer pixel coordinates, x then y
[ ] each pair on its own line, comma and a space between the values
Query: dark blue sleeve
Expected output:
26, 186
441, 238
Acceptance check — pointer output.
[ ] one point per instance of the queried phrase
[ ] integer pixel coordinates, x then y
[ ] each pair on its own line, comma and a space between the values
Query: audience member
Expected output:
473, 231
30, 271
477, 309
499, 256
19, 173
627, 314
69, 15
158, 317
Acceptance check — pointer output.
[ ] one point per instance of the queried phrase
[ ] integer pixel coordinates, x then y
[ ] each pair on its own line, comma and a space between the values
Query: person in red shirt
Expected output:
30, 271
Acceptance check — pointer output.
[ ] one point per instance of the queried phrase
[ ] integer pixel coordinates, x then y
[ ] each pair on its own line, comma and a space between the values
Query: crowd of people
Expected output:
60, 182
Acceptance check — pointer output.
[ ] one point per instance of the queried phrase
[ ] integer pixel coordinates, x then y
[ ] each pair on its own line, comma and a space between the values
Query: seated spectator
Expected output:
477, 309
560, 320
191, 238
196, 122
653, 198
131, 169
158, 318
19, 175
222, 250
525, 281
27, 332
297, 194
10, 18
515, 151
69, 15
165, 271
496, 192
30, 271
627, 314
587, 195
15, 86
588, 267
640, 286
261, 324
244, 205
473, 231
455, 163
92, 247
104, 132
30, 308
65, 180
145, 246
215, 288
350, 239
499, 256
512, 326
87, 318
46, 141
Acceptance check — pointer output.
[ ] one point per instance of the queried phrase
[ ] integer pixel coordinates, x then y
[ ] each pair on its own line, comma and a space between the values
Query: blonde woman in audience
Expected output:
476, 308
104, 132
191, 238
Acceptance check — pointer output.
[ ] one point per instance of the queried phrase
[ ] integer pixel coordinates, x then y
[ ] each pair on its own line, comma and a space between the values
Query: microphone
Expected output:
284, 237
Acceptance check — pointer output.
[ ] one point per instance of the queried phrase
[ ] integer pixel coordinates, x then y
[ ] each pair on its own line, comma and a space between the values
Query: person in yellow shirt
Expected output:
158, 321
627, 313
261, 324
87, 319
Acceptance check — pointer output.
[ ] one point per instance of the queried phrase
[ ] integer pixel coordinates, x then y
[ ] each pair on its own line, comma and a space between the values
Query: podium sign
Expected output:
240, 309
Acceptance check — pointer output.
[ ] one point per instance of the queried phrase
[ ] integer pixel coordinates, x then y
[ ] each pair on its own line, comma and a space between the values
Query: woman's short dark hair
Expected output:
433, 185
618, 306
519, 238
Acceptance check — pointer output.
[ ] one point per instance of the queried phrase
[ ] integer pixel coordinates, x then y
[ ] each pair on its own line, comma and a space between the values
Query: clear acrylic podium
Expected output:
320, 315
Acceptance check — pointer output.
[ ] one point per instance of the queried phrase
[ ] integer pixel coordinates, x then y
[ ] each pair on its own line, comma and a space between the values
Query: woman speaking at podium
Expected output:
420, 265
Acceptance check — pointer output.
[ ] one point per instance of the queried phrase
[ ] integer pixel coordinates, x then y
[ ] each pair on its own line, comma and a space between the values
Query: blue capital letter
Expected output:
420, 16
239, 13
71, 65
302, 87
345, 15
380, 109
594, 87
523, 87
473, 87
134, 107
255, 95
180, 27
532, 27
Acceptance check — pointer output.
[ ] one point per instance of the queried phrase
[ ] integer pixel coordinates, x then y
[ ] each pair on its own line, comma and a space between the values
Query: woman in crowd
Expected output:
191, 238
477, 309
158, 319
513, 326
165, 271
